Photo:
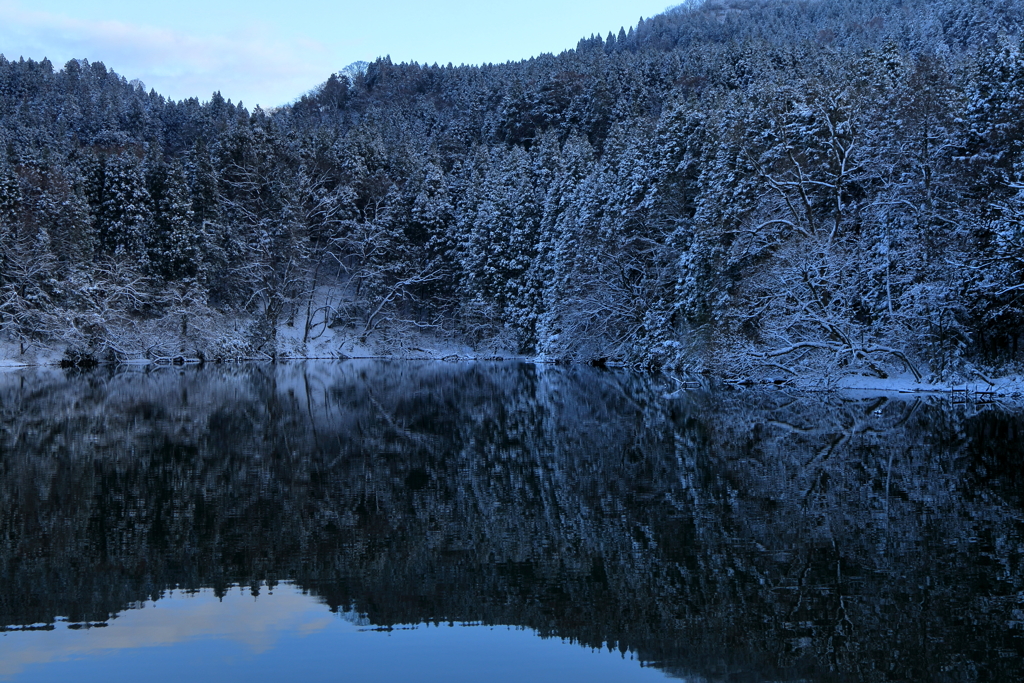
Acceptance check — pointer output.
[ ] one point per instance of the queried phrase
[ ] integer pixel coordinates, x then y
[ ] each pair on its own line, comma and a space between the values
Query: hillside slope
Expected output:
745, 188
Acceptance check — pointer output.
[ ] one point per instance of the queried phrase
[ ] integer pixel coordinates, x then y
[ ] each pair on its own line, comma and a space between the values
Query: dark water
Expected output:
422, 522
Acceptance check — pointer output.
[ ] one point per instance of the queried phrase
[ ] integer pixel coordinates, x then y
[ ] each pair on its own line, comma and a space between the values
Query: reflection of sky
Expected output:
286, 634
254, 624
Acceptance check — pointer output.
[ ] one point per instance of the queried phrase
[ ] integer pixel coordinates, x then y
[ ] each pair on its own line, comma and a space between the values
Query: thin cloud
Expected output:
249, 66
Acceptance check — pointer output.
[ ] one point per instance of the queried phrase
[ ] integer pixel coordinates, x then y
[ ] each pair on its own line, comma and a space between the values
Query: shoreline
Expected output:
997, 389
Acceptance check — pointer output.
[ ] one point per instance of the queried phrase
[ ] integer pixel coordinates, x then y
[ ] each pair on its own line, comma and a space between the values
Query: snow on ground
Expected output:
342, 344
12, 357
410, 345
1011, 386
327, 343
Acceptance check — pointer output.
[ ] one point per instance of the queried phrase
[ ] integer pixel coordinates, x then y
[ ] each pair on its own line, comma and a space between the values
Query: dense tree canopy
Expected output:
746, 187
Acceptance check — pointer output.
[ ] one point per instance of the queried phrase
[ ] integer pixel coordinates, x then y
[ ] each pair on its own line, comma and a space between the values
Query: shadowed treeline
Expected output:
716, 535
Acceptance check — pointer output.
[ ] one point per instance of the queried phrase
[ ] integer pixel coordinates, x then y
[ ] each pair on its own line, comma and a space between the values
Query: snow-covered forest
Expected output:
774, 188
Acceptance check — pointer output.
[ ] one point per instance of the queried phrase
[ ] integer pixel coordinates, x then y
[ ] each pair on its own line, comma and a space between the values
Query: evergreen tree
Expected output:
119, 204
995, 128
174, 243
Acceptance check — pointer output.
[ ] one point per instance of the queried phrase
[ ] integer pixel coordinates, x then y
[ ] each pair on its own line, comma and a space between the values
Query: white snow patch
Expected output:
1011, 386
11, 355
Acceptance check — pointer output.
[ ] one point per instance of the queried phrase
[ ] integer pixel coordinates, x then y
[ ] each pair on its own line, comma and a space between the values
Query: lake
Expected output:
426, 521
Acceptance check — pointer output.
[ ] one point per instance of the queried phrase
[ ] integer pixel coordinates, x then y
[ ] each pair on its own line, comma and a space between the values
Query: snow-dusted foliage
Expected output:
774, 188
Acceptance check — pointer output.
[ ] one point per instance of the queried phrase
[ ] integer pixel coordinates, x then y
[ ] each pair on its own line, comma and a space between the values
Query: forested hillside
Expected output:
776, 188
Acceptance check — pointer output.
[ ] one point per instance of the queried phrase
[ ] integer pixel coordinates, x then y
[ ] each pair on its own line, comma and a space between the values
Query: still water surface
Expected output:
407, 521
287, 635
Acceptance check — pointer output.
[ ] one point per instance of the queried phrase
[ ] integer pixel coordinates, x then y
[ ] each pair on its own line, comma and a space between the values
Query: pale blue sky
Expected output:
269, 53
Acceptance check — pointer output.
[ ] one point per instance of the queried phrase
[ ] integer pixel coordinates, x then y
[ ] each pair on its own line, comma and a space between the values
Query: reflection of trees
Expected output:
719, 535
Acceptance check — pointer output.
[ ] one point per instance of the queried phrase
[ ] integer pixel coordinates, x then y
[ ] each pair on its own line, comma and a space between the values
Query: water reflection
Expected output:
286, 635
255, 627
717, 536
